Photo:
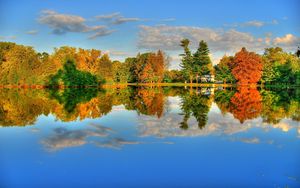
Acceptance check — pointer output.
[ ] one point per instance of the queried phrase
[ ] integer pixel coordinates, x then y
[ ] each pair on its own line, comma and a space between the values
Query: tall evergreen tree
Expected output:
202, 63
187, 60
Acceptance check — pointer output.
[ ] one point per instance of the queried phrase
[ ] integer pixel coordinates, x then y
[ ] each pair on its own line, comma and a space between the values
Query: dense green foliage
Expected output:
280, 67
187, 61
173, 76
69, 76
70, 97
202, 62
223, 70
121, 72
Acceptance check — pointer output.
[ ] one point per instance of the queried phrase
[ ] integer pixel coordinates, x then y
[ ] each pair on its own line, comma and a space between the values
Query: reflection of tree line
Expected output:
22, 107
270, 103
278, 104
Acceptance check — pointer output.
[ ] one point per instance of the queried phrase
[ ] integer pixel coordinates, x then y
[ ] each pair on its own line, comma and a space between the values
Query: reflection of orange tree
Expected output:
148, 101
246, 103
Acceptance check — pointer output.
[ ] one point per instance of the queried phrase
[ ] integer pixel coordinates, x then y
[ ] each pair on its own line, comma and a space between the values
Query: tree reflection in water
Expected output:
197, 104
246, 103
20, 107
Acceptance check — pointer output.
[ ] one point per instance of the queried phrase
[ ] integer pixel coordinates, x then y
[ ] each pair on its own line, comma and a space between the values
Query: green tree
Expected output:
105, 69
280, 67
69, 76
197, 106
173, 76
271, 59
121, 72
223, 70
201, 61
187, 60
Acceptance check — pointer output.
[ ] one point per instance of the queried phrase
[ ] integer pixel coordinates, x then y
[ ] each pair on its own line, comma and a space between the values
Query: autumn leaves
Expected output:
247, 67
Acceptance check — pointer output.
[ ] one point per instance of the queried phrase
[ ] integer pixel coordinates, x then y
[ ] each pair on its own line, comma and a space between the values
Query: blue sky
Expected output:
124, 28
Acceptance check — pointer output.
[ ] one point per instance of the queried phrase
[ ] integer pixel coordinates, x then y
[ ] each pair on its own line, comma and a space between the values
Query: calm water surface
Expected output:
146, 137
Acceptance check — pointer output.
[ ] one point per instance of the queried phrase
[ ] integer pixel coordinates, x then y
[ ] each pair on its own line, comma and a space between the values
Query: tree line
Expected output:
22, 65
275, 66
69, 66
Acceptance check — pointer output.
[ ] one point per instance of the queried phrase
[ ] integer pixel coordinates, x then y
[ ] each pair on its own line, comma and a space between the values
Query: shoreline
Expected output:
123, 85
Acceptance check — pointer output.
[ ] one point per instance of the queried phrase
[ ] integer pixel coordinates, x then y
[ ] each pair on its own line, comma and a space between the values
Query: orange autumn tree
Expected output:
159, 66
247, 67
148, 73
150, 67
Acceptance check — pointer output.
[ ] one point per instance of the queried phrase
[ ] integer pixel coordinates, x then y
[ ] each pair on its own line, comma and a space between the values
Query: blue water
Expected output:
124, 149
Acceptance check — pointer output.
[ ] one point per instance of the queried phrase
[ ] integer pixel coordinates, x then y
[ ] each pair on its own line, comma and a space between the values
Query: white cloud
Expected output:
274, 22
108, 16
64, 23
288, 39
253, 23
219, 40
169, 37
285, 127
117, 53
64, 138
8, 37
116, 18
32, 32
250, 140
100, 33
168, 20
122, 20
115, 143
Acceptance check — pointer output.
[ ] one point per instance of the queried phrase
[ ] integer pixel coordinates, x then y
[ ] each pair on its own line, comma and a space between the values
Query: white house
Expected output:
207, 78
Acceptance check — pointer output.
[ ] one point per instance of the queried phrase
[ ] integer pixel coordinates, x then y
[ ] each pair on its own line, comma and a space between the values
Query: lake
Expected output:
150, 137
